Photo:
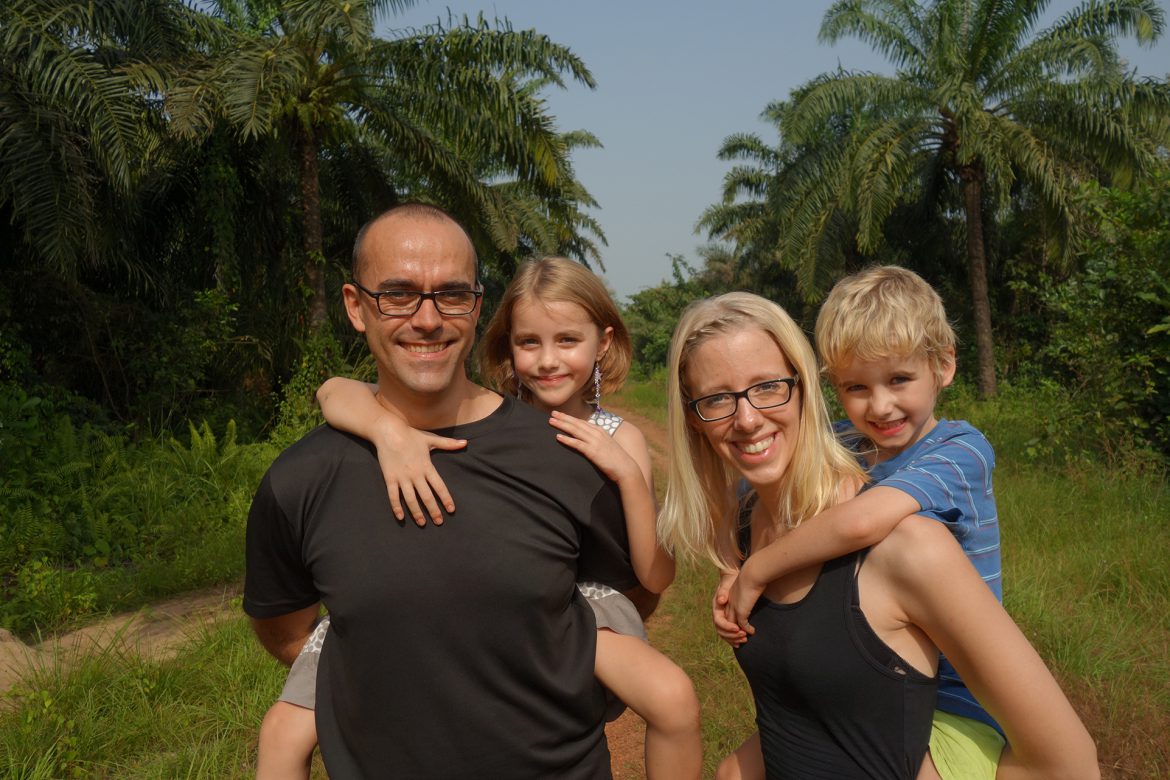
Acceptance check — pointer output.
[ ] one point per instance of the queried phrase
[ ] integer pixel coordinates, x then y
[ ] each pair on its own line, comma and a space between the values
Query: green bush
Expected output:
1109, 335
94, 521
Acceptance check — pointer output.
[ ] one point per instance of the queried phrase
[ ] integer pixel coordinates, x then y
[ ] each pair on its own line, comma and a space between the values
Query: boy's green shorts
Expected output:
964, 749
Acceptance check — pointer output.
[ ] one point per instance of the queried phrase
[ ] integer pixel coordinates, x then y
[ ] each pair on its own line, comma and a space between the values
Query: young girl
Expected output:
558, 342
843, 660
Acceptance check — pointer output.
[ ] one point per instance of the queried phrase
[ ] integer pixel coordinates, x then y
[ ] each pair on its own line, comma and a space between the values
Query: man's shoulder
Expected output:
310, 454
322, 441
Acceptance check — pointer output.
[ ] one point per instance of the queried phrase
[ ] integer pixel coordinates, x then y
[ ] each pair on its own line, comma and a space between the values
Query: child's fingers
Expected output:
735, 640
429, 501
576, 426
571, 426
395, 501
723, 625
439, 488
740, 620
436, 442
410, 496
571, 441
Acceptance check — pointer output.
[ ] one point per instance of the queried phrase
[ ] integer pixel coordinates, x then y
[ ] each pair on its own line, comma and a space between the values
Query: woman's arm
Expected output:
625, 459
943, 595
404, 453
859, 522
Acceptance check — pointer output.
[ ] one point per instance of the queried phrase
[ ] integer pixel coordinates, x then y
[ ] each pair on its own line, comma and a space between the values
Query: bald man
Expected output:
456, 651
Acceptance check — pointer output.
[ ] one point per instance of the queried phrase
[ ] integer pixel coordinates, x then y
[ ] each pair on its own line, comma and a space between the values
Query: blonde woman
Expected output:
843, 661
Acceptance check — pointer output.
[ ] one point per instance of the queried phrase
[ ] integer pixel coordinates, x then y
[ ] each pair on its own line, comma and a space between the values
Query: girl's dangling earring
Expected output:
597, 385
519, 387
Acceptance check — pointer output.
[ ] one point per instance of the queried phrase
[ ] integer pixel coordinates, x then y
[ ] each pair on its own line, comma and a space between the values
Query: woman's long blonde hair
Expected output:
701, 507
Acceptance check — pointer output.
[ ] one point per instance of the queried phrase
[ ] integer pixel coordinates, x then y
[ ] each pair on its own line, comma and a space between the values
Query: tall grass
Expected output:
116, 715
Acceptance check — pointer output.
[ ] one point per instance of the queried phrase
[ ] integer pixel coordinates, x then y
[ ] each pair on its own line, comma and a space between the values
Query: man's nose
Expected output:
427, 317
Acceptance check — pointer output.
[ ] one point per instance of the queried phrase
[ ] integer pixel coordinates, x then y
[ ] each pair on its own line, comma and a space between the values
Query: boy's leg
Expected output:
661, 693
746, 763
962, 749
288, 736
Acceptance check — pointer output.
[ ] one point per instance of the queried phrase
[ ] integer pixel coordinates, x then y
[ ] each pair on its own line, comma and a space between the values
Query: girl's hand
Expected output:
727, 629
595, 444
404, 455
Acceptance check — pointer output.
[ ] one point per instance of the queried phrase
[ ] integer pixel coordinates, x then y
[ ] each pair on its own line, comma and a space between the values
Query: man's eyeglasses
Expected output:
765, 395
404, 303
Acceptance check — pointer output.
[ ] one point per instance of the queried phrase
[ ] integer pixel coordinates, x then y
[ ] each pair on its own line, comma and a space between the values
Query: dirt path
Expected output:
159, 630
156, 631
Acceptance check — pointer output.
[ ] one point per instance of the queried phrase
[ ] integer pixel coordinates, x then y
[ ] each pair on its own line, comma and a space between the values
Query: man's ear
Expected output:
948, 369
353, 307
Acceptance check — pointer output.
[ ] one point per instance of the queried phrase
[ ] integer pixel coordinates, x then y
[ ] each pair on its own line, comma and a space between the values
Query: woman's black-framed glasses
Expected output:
404, 303
765, 395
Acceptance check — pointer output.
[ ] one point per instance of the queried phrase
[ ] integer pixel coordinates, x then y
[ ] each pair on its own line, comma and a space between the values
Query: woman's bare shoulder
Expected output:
918, 550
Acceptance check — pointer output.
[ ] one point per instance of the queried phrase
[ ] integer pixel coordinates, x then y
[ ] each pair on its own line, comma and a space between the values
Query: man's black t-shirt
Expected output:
461, 650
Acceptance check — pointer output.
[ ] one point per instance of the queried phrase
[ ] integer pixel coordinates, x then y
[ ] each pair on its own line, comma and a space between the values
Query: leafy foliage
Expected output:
1109, 337
652, 314
94, 523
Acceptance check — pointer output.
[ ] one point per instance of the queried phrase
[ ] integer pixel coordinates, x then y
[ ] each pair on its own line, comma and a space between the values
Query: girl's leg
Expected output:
288, 737
661, 693
746, 763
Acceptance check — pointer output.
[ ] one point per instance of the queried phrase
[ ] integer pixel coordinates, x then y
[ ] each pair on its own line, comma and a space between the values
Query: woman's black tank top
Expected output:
832, 699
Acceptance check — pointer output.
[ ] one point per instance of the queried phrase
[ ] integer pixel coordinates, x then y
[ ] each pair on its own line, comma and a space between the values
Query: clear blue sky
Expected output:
673, 80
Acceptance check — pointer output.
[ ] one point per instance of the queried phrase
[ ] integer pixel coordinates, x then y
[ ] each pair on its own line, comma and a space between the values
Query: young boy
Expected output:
886, 346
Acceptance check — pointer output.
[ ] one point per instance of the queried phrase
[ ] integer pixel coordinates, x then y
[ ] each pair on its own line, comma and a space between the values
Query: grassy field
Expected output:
1086, 575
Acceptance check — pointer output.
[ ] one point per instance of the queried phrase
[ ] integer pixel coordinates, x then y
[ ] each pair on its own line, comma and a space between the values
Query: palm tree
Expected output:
79, 123
314, 71
769, 191
980, 106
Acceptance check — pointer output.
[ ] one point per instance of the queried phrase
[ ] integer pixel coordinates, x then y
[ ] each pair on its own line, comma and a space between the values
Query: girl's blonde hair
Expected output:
554, 280
701, 509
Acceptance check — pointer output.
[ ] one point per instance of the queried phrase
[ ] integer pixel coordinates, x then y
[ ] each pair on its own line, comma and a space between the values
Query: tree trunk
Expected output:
311, 225
977, 275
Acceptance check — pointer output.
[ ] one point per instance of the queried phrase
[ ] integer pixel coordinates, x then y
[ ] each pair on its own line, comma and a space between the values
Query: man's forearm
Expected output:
284, 636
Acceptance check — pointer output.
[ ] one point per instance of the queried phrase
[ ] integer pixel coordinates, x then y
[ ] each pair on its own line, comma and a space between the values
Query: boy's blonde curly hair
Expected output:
880, 312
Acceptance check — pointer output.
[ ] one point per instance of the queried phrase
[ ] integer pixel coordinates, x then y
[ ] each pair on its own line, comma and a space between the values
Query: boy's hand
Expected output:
727, 630
741, 599
404, 455
597, 445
